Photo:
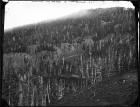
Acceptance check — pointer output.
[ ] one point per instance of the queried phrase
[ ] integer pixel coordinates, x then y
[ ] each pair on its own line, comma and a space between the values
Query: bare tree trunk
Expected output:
119, 64
32, 100
92, 76
42, 93
20, 103
60, 90
70, 68
63, 60
48, 94
45, 99
90, 59
87, 71
28, 90
36, 96
109, 64
82, 66
95, 76
9, 95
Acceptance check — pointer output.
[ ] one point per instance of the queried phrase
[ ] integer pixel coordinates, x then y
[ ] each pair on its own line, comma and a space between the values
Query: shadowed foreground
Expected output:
113, 91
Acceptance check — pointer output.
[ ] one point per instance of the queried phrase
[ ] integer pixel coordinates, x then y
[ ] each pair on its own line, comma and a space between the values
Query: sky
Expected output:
20, 13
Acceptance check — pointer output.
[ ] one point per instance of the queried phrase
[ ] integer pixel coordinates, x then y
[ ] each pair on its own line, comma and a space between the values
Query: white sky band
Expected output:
19, 13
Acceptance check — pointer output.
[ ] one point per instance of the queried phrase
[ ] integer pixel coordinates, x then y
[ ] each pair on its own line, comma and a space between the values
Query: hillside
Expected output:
67, 55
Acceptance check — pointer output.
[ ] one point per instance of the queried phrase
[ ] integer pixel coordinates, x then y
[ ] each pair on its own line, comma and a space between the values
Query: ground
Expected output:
111, 91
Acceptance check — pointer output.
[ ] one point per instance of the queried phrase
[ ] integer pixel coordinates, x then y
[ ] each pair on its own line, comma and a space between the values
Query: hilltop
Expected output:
92, 48
100, 22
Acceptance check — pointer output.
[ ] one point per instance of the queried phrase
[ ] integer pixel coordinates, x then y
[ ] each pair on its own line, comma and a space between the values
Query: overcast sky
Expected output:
19, 13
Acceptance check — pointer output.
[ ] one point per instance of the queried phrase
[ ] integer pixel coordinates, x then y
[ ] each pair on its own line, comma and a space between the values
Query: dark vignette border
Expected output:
2, 14
136, 3
137, 11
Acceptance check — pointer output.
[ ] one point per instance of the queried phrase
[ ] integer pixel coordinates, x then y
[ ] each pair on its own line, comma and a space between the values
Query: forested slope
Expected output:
92, 47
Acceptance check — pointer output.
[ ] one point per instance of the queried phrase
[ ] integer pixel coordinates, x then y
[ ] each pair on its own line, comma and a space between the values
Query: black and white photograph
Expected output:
69, 53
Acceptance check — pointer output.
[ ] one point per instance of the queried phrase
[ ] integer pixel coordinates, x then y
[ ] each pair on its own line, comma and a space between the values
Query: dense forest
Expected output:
43, 62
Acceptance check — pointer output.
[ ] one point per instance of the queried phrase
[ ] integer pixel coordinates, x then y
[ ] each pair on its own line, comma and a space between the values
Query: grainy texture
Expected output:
90, 60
